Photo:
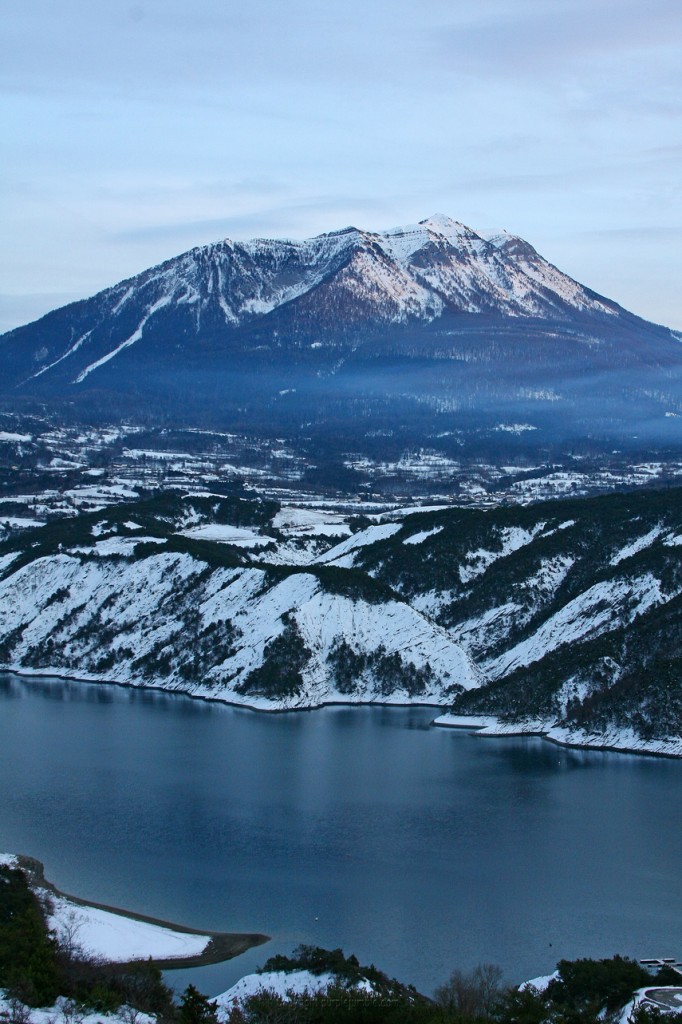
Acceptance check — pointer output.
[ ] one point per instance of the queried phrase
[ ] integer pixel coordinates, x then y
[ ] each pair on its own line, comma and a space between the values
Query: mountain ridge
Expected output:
427, 331
414, 271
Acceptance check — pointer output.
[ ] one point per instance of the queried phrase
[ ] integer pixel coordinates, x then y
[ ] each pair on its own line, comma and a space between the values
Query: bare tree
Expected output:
471, 993
71, 1012
129, 1014
18, 1013
68, 935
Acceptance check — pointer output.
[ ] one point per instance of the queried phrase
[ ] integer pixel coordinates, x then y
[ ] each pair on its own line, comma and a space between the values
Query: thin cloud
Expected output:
294, 215
522, 42
633, 234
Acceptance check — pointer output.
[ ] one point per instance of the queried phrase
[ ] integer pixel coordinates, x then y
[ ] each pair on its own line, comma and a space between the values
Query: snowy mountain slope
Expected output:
568, 613
580, 624
590, 614
408, 273
282, 332
359, 348
236, 634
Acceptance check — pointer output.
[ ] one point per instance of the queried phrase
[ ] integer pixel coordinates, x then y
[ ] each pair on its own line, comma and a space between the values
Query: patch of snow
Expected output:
295, 520
616, 739
464, 721
551, 574
6, 435
74, 348
19, 523
134, 337
223, 534
479, 633
119, 938
280, 982
66, 1012
57, 463
512, 537
343, 554
540, 984
120, 545
636, 545
417, 538
625, 740
411, 510
561, 526
598, 609
514, 428
111, 935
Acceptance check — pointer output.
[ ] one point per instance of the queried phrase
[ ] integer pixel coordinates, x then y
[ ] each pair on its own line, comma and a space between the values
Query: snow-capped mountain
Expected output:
347, 277
431, 318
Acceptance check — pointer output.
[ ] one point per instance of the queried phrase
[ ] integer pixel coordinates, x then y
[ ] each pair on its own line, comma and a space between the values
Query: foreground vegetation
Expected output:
40, 969
587, 992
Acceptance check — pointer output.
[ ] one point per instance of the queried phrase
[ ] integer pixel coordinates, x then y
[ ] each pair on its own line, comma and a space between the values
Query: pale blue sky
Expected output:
135, 129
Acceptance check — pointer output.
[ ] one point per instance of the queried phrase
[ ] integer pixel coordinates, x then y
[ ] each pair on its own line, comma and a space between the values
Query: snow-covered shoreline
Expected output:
616, 741
619, 741
114, 935
234, 700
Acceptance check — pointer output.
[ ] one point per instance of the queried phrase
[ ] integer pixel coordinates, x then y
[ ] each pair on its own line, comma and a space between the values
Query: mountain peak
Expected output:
336, 281
441, 222
511, 245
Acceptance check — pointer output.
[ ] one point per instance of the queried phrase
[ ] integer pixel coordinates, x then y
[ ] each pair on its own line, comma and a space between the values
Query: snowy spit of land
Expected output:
111, 936
624, 740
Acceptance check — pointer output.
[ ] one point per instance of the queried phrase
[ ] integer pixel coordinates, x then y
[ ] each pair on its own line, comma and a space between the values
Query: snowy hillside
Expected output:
565, 615
207, 617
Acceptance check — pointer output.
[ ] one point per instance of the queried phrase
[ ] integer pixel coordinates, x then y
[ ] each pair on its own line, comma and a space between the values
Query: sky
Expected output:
132, 131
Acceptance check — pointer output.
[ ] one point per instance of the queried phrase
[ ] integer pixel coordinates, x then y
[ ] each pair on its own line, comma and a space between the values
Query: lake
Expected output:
417, 848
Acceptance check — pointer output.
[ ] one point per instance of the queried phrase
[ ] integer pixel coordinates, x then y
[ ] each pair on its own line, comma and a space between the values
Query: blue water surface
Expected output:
417, 848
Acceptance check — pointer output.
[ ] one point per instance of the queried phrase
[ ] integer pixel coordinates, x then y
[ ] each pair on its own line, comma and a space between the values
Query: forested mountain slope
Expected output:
565, 614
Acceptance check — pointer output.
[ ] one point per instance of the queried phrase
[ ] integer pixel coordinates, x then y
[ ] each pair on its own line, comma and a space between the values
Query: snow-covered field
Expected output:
115, 937
227, 535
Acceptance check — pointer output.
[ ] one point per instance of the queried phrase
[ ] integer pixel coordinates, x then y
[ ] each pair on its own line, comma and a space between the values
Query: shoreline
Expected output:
222, 946
493, 727
42, 673
485, 727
